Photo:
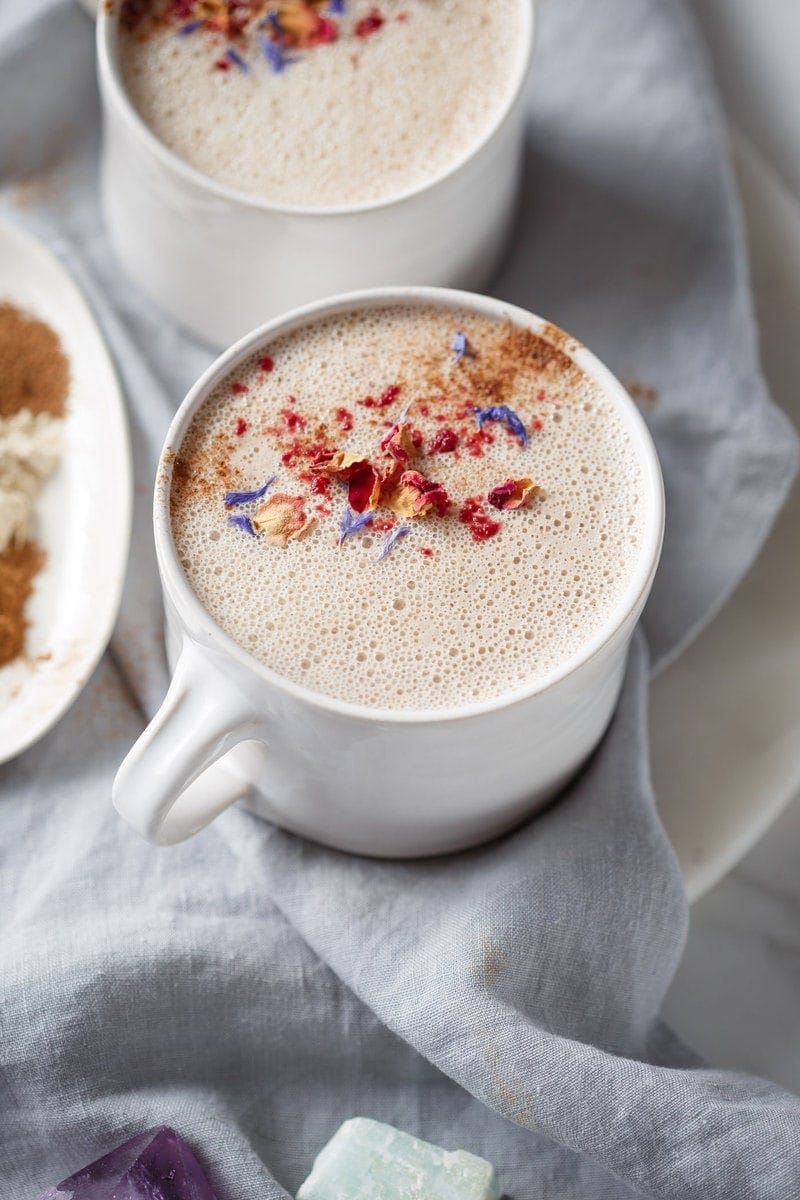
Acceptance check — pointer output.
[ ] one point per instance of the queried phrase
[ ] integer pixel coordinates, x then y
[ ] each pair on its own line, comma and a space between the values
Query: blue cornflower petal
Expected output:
235, 57
391, 540
501, 412
273, 19
233, 498
277, 58
336, 7
244, 523
189, 27
460, 347
351, 522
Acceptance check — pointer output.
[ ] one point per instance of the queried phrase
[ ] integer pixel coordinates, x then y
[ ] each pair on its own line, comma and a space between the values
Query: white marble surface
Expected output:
736, 997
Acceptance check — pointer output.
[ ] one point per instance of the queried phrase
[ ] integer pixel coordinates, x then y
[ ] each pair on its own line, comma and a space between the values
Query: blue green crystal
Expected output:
365, 1160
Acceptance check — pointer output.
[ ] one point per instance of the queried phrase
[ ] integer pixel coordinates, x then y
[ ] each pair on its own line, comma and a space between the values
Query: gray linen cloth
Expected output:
254, 990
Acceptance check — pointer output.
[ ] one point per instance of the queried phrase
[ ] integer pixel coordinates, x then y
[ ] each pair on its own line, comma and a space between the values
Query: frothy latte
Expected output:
410, 507
320, 104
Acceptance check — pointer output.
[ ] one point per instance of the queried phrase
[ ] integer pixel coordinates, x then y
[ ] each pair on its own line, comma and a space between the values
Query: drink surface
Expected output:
298, 102
456, 507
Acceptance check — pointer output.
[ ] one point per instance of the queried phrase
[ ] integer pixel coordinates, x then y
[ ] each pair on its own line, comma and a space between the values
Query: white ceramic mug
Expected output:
388, 783
221, 262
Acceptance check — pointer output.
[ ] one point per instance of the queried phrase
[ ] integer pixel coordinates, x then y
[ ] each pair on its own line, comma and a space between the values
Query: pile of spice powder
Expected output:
34, 381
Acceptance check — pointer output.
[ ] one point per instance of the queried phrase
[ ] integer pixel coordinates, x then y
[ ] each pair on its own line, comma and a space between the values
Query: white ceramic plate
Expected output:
725, 718
84, 511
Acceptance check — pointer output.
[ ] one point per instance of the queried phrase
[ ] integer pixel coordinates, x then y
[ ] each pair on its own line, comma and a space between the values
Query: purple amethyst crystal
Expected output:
154, 1165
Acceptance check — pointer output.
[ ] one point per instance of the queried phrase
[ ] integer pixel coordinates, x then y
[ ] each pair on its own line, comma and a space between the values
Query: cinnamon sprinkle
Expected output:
449, 393
491, 377
35, 377
33, 367
19, 566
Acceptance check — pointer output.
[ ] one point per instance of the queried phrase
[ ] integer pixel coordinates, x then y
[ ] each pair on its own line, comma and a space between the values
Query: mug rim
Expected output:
111, 85
196, 617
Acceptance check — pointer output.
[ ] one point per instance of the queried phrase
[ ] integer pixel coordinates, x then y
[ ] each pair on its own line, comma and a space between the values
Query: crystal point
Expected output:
154, 1165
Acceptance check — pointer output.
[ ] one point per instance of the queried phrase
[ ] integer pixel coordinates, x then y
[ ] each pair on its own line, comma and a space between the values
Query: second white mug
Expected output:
221, 262
394, 783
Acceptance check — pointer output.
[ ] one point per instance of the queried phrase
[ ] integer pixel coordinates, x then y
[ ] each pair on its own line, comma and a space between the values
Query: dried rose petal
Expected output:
384, 400
336, 462
363, 486
326, 31
514, 493
362, 478
400, 443
301, 25
415, 496
282, 519
369, 24
443, 442
219, 16
474, 516
293, 420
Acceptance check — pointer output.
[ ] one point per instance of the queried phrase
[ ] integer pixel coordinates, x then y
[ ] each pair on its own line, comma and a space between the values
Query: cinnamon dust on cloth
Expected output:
34, 379
253, 989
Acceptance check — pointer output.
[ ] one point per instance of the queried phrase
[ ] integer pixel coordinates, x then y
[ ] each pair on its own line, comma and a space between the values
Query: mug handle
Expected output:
168, 786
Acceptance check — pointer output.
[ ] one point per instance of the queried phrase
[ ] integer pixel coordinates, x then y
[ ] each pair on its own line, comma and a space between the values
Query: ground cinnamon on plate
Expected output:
19, 566
34, 375
34, 371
